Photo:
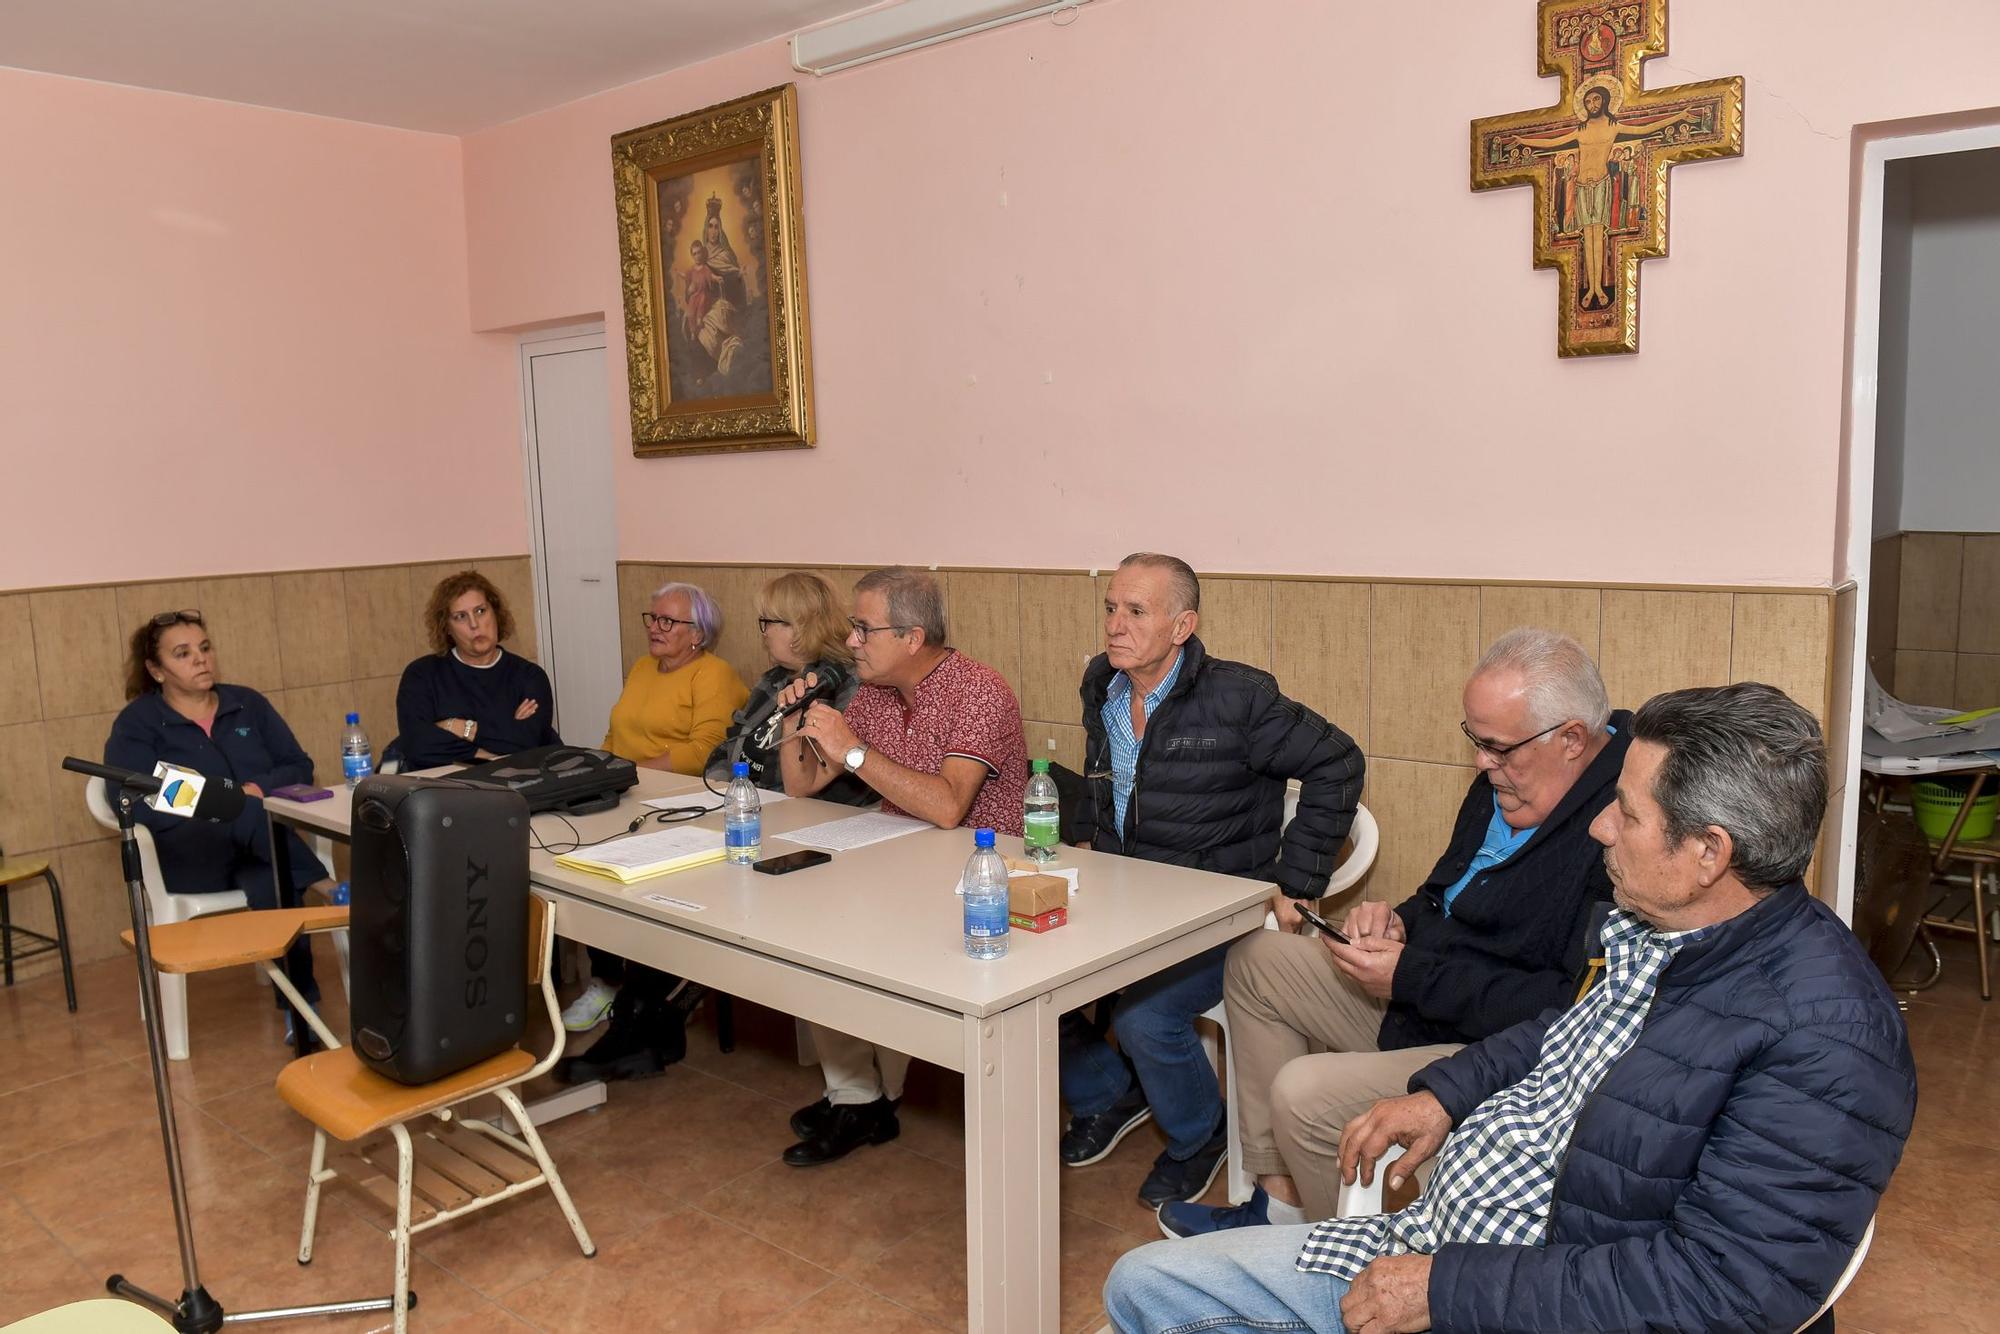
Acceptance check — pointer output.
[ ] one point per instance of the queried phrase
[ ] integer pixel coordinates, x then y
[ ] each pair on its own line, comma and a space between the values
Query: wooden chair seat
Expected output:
343, 1097
229, 940
22, 868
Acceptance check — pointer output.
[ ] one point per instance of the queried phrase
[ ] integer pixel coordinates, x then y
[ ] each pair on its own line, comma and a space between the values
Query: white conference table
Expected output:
872, 944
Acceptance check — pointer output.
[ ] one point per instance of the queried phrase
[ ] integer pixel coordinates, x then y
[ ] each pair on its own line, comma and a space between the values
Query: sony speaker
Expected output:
438, 928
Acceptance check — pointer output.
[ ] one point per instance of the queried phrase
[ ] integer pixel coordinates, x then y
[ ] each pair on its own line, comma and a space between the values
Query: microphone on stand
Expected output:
171, 790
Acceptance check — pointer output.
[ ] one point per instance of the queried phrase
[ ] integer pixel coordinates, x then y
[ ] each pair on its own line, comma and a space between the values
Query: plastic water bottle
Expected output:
342, 896
1041, 821
742, 817
985, 891
357, 757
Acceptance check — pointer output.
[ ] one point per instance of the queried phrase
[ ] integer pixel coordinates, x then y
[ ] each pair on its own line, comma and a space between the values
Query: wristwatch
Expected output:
855, 757
470, 729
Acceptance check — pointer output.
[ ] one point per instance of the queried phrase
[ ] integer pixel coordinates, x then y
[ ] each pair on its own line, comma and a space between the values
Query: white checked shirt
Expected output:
1117, 715
1496, 1174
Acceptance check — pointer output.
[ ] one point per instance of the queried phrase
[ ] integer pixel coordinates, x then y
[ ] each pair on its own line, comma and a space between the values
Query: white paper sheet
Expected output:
854, 831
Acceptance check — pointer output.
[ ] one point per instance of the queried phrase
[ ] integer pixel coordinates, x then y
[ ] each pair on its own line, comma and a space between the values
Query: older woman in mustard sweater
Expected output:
674, 710
677, 700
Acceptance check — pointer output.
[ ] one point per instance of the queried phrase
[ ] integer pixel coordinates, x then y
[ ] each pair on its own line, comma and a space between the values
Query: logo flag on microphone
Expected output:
179, 790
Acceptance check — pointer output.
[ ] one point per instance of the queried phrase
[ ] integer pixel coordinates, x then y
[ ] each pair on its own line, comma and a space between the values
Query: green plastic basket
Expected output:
1936, 804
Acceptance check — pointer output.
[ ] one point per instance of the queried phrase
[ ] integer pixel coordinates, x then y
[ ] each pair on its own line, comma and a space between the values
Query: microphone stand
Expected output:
196, 1312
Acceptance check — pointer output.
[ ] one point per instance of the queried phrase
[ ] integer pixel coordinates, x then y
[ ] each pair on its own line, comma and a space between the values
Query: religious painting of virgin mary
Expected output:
718, 353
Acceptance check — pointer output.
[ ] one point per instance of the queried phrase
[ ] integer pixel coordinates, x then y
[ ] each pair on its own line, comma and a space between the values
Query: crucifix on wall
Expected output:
1598, 159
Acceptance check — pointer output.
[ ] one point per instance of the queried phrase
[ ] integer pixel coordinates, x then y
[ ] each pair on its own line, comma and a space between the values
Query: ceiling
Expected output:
451, 66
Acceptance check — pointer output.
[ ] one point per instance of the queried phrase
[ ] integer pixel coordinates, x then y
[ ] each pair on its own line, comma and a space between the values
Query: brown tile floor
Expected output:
699, 1226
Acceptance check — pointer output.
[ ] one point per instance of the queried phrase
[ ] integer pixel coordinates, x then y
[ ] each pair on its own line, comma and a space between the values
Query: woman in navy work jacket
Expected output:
180, 713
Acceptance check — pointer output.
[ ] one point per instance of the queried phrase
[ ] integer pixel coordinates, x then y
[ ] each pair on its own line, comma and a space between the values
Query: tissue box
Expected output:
1037, 902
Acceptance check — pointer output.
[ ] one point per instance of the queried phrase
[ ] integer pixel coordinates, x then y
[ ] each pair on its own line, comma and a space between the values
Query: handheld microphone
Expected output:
826, 687
171, 790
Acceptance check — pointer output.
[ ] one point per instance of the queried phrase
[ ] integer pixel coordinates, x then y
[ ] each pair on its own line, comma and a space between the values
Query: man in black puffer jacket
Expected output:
1186, 760
1696, 1146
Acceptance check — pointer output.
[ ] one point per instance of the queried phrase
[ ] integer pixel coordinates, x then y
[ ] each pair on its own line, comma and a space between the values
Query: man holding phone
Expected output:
1496, 935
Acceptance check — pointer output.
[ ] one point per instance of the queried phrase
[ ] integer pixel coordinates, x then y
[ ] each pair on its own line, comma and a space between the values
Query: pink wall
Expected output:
1209, 277
235, 339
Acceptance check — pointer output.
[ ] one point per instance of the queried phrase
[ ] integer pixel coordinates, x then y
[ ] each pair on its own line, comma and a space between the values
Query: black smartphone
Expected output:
1327, 927
788, 862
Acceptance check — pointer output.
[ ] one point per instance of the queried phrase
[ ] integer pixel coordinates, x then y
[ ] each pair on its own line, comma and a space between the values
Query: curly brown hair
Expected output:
437, 612
144, 647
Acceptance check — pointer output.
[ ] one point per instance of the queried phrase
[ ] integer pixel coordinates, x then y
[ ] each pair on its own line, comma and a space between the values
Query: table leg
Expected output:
1012, 1213
288, 897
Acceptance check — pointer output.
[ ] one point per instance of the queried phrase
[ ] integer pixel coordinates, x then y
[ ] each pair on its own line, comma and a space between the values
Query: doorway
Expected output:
1899, 448
573, 524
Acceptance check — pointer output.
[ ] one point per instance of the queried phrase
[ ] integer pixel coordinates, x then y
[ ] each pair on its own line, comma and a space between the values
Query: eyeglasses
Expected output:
663, 622
864, 629
1499, 751
188, 616
766, 622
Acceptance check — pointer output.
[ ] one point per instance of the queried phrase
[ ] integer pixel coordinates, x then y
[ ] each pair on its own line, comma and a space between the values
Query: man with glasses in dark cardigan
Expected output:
1495, 935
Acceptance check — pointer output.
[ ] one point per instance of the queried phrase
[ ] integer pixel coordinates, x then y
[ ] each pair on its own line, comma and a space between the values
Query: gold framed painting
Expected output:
711, 252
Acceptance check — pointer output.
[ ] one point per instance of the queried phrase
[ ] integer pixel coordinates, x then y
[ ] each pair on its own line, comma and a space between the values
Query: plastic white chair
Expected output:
166, 907
1364, 838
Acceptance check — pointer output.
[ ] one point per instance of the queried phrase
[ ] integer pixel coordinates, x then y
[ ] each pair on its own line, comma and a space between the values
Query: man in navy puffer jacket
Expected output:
1697, 1145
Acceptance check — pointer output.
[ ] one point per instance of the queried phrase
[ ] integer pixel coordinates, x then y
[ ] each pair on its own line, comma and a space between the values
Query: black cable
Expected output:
668, 815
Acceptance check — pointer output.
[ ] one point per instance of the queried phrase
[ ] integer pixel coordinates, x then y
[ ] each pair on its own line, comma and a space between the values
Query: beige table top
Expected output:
886, 915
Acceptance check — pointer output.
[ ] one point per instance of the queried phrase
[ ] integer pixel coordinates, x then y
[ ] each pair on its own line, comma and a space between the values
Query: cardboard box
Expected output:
1034, 895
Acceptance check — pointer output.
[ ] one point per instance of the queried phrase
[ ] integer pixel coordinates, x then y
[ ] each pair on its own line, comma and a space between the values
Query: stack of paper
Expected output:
644, 855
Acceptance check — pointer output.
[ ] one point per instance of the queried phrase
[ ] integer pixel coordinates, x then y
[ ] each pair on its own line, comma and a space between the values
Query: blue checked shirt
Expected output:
1118, 726
1496, 1174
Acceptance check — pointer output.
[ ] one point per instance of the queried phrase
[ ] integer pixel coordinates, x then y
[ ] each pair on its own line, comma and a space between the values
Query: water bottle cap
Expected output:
353, 719
982, 838
1041, 766
740, 769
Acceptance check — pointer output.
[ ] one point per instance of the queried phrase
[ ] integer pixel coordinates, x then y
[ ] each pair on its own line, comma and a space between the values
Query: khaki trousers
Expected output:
1306, 1060
857, 1071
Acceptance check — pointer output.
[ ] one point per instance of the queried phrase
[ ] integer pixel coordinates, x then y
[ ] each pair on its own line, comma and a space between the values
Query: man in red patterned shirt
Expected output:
938, 735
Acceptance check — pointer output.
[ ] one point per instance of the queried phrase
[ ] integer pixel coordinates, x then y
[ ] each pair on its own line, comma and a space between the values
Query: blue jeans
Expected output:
1154, 1022
1242, 1279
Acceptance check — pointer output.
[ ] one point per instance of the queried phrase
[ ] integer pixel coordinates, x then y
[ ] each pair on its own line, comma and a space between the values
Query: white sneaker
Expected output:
591, 1008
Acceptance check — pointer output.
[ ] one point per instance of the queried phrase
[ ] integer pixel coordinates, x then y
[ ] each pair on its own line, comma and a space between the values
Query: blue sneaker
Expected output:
1178, 1219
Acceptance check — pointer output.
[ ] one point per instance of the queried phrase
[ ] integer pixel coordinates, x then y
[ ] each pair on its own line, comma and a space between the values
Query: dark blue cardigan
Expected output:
438, 686
248, 742
1721, 1175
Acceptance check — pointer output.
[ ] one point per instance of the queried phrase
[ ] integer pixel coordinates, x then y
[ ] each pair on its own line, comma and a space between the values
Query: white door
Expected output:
566, 435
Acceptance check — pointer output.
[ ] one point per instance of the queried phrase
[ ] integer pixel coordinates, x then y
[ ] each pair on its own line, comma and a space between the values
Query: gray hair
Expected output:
1746, 758
915, 600
707, 613
1560, 680
1180, 577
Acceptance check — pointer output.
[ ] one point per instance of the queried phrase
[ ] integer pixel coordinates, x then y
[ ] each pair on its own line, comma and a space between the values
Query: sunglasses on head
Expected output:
188, 616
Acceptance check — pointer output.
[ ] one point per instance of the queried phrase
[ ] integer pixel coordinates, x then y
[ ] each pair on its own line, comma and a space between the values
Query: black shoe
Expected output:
1090, 1138
848, 1127
1188, 1180
808, 1122
626, 1051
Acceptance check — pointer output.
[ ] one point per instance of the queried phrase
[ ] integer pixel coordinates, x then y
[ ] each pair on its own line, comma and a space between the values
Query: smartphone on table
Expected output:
1326, 927
301, 792
785, 863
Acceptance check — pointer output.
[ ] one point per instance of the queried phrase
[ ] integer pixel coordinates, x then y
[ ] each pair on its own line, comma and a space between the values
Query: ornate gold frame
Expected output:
783, 417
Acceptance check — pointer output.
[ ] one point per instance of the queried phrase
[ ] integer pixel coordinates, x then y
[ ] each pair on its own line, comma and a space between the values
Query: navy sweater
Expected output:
247, 742
1514, 942
438, 686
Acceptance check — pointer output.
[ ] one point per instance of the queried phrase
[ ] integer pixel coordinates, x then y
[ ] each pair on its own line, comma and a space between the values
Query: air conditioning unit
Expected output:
894, 29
